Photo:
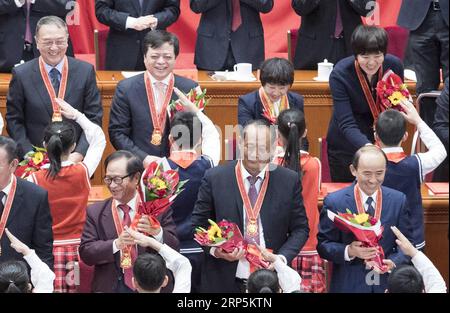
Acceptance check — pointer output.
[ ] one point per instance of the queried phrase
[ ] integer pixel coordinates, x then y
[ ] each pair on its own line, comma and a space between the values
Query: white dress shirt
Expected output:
58, 66
431, 159
364, 197
432, 279
276, 107
6, 190
42, 276
1, 123
180, 267
20, 3
154, 82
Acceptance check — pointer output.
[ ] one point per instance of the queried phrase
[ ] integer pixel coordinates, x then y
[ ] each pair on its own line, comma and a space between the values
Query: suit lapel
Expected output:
17, 202
107, 222
39, 86
267, 203
237, 195
350, 199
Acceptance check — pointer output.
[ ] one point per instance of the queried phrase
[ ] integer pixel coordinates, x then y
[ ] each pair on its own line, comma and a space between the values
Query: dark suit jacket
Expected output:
282, 216
316, 33
97, 244
30, 221
214, 32
130, 123
351, 276
12, 28
351, 125
29, 109
250, 108
440, 125
413, 12
123, 45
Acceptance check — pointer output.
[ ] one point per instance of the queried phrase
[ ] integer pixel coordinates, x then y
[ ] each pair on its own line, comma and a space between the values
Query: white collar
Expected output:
63, 164
392, 149
165, 81
7, 189
246, 174
365, 196
131, 203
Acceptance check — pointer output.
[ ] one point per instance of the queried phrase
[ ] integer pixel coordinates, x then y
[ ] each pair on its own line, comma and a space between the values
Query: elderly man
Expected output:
266, 204
30, 102
104, 237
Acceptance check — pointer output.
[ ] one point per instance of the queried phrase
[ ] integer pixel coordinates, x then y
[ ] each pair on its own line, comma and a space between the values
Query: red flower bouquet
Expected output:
32, 162
365, 228
391, 91
197, 96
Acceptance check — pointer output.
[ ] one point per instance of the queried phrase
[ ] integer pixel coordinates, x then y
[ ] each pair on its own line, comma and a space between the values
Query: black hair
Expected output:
134, 164
259, 123
263, 281
59, 137
14, 277
390, 127
405, 279
149, 271
277, 71
292, 125
156, 38
184, 126
369, 39
370, 148
10, 147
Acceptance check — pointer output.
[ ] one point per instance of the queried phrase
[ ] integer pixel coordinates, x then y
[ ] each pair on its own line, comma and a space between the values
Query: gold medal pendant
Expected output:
156, 138
125, 259
57, 117
252, 228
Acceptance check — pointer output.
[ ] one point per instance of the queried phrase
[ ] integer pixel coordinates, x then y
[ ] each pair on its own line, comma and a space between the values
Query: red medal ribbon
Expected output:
268, 106
360, 206
375, 107
57, 117
396, 157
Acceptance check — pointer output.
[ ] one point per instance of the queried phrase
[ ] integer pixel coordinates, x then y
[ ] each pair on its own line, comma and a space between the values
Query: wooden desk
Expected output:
222, 109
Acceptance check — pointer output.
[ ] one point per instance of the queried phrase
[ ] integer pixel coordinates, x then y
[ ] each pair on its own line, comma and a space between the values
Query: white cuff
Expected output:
19, 3
212, 251
282, 258
130, 22
159, 237
115, 248
346, 256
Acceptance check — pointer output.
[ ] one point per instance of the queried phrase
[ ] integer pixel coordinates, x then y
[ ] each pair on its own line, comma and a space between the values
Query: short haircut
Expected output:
277, 71
390, 127
149, 271
263, 281
52, 20
369, 39
182, 123
11, 148
261, 123
405, 279
366, 149
156, 38
14, 277
134, 164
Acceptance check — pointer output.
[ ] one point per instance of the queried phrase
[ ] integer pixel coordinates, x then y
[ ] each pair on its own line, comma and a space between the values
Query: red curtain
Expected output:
276, 24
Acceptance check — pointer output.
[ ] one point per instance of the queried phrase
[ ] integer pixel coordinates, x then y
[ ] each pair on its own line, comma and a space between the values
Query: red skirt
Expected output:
66, 277
312, 271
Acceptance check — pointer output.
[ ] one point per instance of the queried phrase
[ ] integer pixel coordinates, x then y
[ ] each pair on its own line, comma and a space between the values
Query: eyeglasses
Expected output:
50, 43
117, 180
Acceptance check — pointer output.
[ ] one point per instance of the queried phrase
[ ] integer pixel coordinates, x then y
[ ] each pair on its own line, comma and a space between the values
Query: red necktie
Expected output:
28, 36
338, 27
126, 221
237, 19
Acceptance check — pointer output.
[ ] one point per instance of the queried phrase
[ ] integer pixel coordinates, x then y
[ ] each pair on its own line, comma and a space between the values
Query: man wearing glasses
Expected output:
104, 243
31, 104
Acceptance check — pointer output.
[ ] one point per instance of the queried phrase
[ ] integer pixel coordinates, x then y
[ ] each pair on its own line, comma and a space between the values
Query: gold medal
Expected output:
125, 259
57, 117
252, 228
156, 138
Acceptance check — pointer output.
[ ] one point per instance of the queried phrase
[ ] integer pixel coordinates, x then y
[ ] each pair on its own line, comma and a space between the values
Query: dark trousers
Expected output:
339, 166
429, 50
230, 61
196, 260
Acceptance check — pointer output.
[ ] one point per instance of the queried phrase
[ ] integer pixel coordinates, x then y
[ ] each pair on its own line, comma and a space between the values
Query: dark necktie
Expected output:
370, 209
338, 27
253, 195
28, 36
236, 20
2, 194
54, 77
126, 221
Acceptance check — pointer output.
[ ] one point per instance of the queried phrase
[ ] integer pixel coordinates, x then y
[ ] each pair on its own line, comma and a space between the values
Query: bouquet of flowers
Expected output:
391, 90
32, 162
197, 96
158, 189
227, 236
365, 228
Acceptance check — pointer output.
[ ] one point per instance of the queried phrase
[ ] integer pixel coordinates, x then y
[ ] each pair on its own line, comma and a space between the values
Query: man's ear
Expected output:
134, 283
165, 282
72, 149
352, 170
304, 134
405, 136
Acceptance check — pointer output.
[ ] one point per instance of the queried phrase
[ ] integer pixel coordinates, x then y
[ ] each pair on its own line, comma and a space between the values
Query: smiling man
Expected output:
30, 103
366, 195
104, 238
138, 120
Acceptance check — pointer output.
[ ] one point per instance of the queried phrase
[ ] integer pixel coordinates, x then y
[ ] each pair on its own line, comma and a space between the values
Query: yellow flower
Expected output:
396, 97
38, 157
158, 183
362, 218
214, 231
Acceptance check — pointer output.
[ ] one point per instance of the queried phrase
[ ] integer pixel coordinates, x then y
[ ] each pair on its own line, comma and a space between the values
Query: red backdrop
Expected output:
276, 24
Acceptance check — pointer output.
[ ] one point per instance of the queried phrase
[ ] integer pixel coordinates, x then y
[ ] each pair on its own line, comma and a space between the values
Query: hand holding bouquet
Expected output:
392, 91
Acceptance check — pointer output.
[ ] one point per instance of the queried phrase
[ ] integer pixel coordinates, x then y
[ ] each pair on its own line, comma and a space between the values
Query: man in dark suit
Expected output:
18, 19
102, 242
273, 215
138, 119
230, 32
28, 215
349, 257
440, 127
326, 29
129, 22
427, 21
29, 104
